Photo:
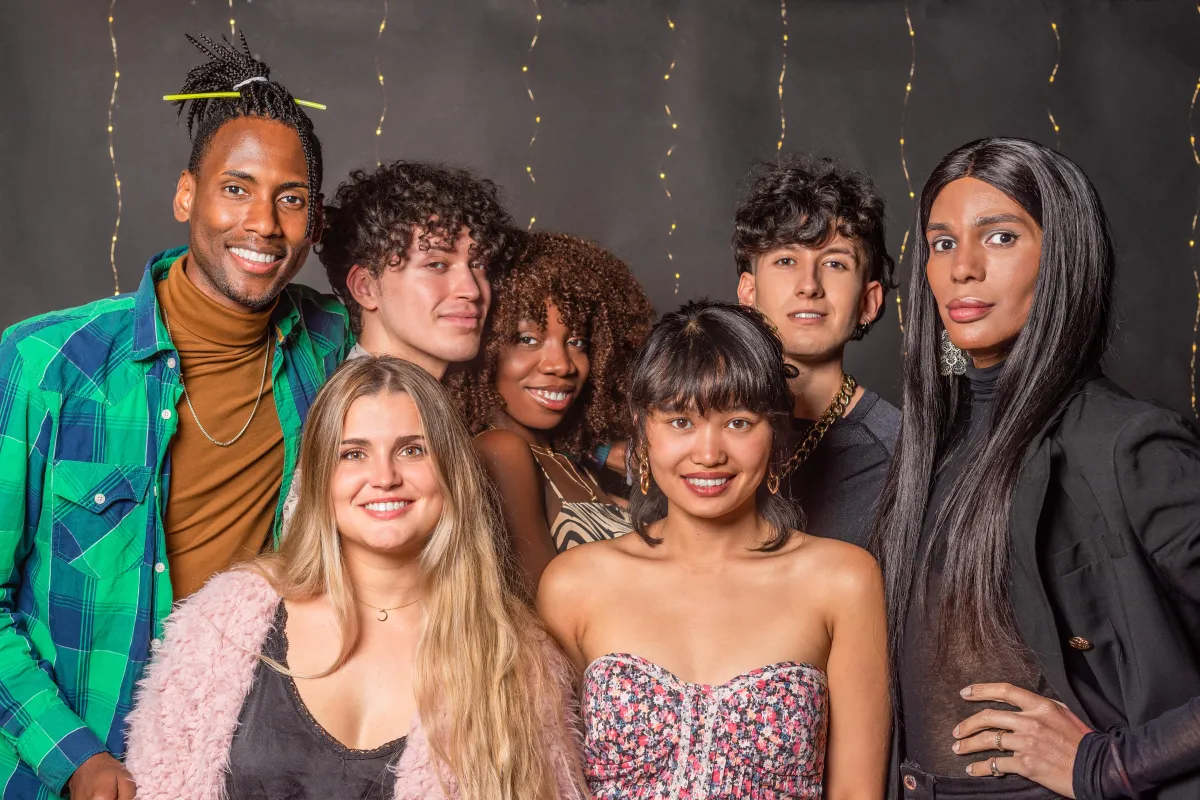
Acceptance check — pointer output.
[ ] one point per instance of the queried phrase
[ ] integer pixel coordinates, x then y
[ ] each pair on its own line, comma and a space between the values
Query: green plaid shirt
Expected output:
88, 402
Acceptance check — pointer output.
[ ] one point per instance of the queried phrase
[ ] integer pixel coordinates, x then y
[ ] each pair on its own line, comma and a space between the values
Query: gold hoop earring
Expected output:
773, 483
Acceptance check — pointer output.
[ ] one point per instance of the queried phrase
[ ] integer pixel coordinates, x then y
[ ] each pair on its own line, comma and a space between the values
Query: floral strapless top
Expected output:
651, 736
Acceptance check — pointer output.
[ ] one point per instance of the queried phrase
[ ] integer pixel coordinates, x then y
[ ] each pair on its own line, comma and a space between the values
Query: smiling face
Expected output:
384, 488
709, 465
984, 255
814, 296
427, 306
541, 374
247, 211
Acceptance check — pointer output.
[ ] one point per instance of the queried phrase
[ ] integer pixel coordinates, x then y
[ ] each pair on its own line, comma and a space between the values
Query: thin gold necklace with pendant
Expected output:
383, 612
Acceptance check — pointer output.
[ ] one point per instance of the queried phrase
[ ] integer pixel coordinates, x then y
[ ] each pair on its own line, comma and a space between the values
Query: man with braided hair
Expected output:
146, 440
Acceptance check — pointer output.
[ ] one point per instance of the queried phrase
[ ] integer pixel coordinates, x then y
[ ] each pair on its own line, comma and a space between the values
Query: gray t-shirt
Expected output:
838, 487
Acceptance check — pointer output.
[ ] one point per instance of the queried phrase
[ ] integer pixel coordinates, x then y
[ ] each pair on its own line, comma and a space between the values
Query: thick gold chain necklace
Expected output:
817, 431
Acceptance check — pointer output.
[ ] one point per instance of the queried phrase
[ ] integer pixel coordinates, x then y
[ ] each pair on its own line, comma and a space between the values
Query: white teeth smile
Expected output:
252, 255
708, 483
553, 397
807, 315
391, 506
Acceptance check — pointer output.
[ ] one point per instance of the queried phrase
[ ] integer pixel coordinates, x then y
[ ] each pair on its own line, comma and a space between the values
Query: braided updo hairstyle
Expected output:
226, 68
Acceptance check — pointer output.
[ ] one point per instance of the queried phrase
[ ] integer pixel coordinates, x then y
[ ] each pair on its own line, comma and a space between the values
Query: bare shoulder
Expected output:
499, 445
840, 567
586, 569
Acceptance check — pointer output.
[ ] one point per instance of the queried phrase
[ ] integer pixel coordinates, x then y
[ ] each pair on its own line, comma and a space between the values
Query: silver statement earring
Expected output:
951, 360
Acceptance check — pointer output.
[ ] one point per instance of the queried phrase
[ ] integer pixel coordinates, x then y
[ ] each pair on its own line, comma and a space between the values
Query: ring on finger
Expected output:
999, 740
996, 773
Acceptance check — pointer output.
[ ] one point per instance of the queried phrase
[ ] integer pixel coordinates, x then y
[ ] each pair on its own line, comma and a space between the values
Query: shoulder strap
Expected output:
549, 480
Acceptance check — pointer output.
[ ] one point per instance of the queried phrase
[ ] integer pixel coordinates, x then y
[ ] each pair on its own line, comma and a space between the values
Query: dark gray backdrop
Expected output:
456, 91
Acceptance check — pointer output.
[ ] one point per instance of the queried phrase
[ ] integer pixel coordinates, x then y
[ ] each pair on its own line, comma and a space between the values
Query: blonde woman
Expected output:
380, 654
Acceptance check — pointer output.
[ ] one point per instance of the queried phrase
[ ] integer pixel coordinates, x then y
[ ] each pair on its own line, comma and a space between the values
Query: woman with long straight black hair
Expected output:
1039, 532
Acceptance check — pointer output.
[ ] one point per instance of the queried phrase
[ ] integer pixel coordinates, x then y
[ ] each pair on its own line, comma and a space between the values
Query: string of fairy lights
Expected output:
1192, 240
662, 166
112, 155
382, 87
537, 117
782, 75
912, 69
1053, 75
231, 21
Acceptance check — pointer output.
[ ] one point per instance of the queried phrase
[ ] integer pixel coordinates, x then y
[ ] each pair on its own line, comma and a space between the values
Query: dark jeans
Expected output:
918, 785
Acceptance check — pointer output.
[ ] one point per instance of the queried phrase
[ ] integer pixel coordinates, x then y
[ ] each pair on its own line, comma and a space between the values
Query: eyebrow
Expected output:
237, 173
840, 250
246, 176
983, 222
401, 441
979, 222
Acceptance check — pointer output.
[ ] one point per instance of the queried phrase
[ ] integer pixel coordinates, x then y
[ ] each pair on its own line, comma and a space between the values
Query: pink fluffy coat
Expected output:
189, 700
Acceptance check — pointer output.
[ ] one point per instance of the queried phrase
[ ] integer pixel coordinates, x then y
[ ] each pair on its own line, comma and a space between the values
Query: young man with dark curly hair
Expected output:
809, 243
411, 249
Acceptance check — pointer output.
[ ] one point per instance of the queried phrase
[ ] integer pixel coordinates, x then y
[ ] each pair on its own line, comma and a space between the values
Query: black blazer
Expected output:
1105, 559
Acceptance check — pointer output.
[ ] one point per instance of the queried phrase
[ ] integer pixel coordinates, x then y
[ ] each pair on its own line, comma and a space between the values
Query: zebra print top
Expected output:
585, 521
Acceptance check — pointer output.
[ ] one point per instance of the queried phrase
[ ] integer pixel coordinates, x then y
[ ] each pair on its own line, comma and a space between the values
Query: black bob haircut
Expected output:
804, 200
713, 356
229, 69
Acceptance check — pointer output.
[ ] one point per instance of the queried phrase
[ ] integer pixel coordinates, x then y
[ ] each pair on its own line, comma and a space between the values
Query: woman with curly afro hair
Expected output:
549, 388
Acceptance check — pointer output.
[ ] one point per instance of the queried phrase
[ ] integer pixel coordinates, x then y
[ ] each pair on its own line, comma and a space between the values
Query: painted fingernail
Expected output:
954, 746
966, 692
956, 734
968, 770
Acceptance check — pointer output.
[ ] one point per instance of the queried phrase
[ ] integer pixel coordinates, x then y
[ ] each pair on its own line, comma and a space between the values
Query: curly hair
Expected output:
373, 216
804, 200
594, 292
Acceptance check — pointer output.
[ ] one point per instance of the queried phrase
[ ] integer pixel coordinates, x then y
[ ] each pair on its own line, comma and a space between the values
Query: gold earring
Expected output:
773, 483
644, 470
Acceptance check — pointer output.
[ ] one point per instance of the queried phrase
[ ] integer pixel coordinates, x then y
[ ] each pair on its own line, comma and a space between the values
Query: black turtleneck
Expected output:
930, 680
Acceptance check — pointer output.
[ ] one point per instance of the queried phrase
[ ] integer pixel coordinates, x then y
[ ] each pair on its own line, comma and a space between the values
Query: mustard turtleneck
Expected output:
222, 500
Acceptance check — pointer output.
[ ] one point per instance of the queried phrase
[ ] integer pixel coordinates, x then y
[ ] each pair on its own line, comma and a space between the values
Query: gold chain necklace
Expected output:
261, 385
383, 612
817, 431
571, 471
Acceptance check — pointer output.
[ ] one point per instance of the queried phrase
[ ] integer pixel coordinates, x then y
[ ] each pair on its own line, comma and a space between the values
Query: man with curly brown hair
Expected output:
811, 256
411, 249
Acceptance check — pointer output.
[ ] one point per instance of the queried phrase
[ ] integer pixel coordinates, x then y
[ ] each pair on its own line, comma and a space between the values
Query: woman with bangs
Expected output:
725, 653
549, 394
380, 654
